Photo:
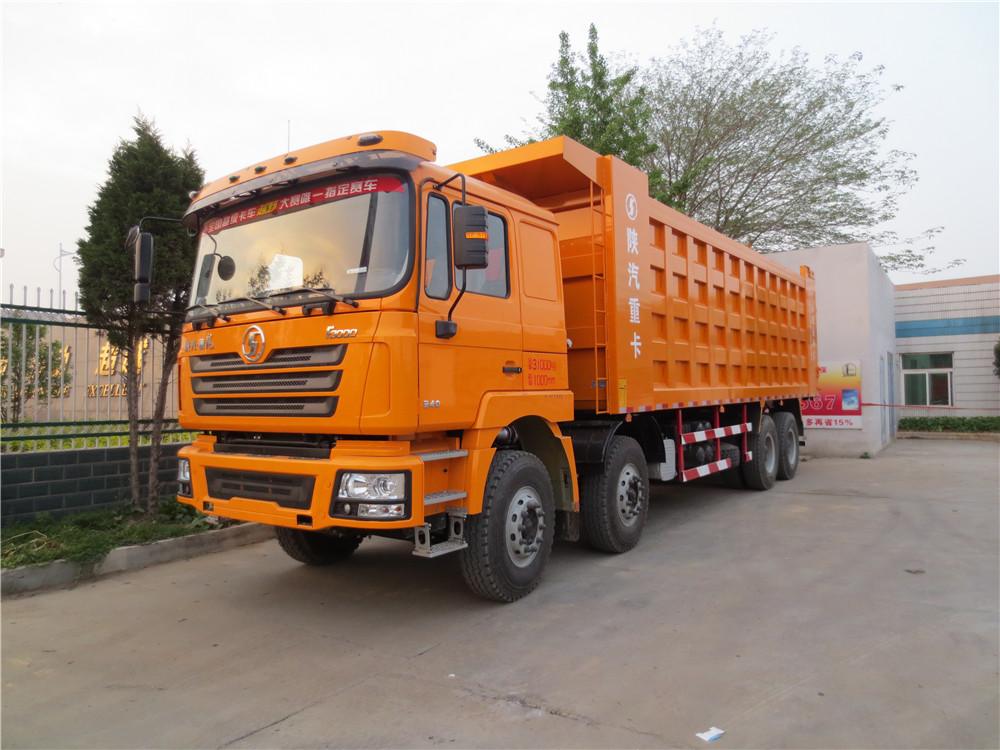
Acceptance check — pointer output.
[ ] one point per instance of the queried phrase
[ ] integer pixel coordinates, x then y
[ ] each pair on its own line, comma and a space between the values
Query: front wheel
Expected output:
316, 547
511, 538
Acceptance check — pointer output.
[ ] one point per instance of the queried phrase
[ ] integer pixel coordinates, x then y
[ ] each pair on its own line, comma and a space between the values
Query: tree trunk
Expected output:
132, 402
170, 349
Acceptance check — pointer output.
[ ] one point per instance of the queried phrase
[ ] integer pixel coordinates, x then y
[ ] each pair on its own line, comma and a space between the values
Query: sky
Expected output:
227, 79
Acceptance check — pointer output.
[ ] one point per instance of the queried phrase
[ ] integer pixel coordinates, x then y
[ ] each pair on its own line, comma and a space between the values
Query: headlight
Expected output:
183, 470
357, 486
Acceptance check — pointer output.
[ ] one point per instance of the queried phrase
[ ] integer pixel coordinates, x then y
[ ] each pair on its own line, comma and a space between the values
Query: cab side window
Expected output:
494, 280
437, 283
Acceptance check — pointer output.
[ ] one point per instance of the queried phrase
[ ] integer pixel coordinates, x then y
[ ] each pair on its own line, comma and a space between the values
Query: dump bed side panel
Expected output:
661, 311
692, 316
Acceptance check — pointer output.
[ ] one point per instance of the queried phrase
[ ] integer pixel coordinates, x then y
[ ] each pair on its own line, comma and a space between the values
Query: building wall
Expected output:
881, 295
854, 322
961, 317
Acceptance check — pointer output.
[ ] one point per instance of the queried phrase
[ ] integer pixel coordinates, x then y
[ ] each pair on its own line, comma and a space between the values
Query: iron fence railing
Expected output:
63, 384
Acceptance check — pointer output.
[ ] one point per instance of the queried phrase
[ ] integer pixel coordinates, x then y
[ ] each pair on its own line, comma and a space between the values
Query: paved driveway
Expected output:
853, 607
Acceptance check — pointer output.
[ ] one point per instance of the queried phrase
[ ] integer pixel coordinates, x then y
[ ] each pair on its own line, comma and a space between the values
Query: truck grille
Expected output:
280, 382
287, 490
303, 356
305, 406
262, 378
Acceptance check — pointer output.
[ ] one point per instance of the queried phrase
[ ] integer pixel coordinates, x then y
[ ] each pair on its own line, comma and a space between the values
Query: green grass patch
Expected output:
950, 424
55, 443
88, 537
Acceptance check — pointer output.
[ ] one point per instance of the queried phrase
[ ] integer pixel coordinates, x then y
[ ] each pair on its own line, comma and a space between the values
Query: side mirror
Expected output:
470, 237
142, 252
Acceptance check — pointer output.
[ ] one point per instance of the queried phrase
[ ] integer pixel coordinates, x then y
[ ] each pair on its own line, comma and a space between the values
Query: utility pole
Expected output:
57, 264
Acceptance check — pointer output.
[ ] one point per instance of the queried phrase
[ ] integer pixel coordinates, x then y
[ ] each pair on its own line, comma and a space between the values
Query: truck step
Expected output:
445, 496
441, 548
422, 546
442, 455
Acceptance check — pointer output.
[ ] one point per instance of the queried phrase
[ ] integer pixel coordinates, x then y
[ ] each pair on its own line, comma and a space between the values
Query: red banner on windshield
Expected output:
294, 201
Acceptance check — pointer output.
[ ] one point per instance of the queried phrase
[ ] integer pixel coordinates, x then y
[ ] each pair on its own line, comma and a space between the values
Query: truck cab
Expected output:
343, 374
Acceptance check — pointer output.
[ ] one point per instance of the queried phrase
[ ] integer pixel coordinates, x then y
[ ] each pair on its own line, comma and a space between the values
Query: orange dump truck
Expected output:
475, 358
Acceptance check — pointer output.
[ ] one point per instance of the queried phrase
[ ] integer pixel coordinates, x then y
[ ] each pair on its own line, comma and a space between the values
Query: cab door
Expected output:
486, 353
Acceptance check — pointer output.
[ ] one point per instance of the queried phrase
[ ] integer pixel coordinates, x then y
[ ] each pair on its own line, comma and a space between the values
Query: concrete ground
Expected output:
855, 606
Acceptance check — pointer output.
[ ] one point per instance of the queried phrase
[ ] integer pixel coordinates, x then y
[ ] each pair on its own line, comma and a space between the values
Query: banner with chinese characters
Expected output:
294, 201
837, 404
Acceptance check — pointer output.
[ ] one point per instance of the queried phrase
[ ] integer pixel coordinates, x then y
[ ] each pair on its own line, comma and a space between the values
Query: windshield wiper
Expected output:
214, 313
324, 291
257, 301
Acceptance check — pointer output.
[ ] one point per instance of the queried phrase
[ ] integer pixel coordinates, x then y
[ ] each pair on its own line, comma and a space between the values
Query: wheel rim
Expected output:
524, 529
770, 454
628, 495
791, 447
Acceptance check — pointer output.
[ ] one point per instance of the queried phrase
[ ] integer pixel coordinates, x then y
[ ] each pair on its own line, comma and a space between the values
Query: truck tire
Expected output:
511, 538
614, 502
317, 548
788, 444
762, 471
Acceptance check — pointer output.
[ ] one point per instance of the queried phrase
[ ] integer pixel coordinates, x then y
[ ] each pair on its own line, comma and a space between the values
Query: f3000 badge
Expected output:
341, 333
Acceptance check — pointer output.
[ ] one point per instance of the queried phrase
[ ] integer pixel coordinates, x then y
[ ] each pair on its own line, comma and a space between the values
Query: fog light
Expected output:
372, 510
357, 486
183, 470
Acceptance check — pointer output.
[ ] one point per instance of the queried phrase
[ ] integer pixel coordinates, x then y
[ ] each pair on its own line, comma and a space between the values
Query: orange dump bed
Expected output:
661, 310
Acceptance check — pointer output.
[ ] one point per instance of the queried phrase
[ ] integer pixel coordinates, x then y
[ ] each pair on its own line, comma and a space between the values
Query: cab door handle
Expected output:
511, 370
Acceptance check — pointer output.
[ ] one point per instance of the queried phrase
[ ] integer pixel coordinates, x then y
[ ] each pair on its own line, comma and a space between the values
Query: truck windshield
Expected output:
350, 236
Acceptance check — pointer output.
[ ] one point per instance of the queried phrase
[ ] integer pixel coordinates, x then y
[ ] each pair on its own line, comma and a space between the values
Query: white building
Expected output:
855, 329
945, 333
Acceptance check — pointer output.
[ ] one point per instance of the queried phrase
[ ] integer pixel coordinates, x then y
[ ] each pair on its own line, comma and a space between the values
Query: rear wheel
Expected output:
510, 539
316, 547
614, 503
788, 444
761, 472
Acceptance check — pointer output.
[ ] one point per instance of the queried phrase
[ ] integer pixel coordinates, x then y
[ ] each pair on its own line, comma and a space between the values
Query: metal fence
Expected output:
62, 383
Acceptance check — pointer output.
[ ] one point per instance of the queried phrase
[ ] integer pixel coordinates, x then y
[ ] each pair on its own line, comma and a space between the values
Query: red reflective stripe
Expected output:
703, 471
702, 435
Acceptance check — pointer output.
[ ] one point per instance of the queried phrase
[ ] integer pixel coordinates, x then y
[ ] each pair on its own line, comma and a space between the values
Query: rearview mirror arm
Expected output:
158, 218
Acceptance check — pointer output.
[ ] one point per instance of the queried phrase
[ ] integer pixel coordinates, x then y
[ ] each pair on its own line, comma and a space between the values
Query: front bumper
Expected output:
304, 488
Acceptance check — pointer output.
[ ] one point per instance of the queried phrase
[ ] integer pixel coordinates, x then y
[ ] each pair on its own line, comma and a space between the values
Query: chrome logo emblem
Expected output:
253, 344
333, 332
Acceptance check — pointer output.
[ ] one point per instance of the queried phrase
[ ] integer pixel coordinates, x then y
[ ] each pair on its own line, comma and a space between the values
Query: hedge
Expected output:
950, 424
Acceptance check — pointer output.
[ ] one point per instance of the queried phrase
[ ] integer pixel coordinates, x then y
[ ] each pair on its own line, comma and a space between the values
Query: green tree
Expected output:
145, 178
604, 108
769, 148
779, 152
32, 368
996, 358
